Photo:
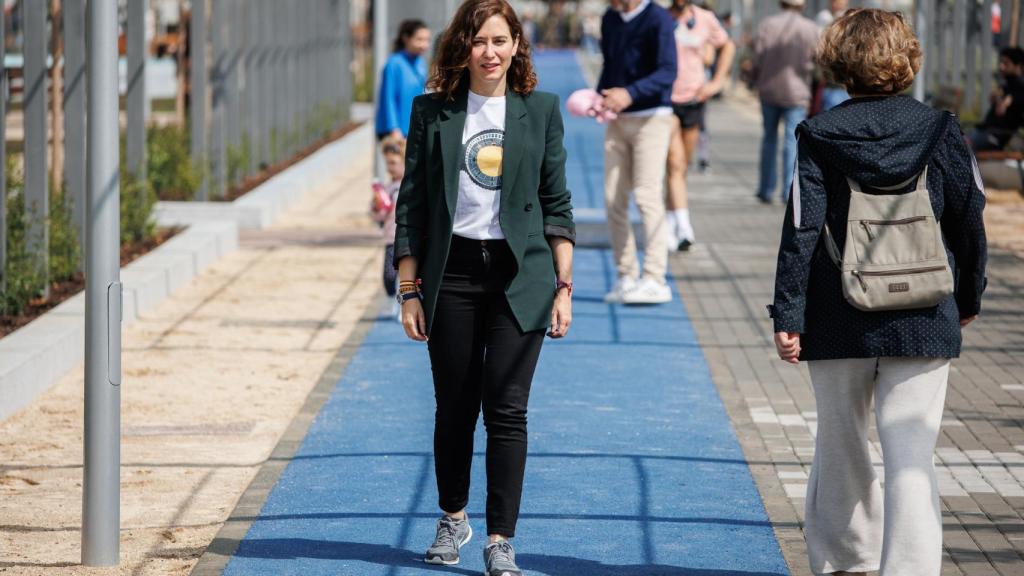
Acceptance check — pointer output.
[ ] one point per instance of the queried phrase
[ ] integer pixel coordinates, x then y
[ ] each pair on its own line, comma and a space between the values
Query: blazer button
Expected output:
529, 207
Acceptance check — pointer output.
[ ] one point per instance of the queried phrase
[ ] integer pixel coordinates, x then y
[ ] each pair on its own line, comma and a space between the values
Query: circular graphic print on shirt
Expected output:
482, 161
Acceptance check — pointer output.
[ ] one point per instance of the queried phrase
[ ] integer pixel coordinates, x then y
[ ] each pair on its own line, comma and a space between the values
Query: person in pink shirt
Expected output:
699, 32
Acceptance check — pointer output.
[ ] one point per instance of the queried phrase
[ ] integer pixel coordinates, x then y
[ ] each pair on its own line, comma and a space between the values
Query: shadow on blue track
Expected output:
384, 555
380, 554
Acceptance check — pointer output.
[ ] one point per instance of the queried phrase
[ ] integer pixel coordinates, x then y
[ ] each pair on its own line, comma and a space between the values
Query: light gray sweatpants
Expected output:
845, 527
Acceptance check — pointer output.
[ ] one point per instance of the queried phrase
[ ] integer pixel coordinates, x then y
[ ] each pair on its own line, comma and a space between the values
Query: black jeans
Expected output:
480, 357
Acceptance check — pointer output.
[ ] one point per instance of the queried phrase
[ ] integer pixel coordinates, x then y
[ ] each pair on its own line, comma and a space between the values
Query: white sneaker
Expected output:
622, 285
671, 239
648, 291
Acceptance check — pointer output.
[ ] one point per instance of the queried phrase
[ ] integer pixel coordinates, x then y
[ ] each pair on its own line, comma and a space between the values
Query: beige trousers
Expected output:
845, 526
635, 151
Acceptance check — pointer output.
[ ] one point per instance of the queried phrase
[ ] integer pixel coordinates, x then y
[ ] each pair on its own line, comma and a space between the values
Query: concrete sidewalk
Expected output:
727, 280
212, 378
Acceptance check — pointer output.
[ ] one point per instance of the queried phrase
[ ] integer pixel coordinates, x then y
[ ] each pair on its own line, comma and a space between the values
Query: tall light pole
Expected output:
101, 514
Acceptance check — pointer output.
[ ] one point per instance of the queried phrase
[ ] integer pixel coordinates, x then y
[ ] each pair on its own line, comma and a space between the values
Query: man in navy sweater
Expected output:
638, 43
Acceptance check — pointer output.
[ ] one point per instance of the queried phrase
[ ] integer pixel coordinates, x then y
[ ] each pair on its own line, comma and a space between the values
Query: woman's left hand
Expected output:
561, 315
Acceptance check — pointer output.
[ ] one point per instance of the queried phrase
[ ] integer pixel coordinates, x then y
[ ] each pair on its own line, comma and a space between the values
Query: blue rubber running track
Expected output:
634, 469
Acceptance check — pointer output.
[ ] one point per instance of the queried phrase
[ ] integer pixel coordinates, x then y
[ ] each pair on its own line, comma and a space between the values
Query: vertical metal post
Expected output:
74, 111
101, 514
234, 27
254, 111
218, 152
36, 177
268, 70
959, 43
1005, 38
136, 97
972, 34
921, 29
380, 56
987, 41
197, 96
3, 153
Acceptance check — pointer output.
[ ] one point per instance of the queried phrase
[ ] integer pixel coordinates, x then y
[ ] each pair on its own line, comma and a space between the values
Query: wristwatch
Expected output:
567, 285
403, 298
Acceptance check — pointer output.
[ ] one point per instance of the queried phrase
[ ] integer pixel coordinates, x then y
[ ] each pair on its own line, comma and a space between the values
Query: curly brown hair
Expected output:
870, 52
450, 71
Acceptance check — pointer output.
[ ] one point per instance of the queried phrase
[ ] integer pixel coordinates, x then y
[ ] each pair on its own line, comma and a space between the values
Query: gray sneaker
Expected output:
452, 534
500, 560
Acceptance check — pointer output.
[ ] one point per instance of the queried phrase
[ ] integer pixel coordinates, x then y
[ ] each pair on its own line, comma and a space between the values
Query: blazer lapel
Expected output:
453, 121
515, 127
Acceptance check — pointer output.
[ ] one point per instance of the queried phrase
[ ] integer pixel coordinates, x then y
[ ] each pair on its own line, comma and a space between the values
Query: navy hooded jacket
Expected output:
878, 141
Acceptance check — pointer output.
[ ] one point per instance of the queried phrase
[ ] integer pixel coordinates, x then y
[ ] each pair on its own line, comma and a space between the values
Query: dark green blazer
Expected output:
535, 203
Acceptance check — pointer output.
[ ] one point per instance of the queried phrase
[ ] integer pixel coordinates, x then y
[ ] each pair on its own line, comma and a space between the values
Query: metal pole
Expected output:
36, 177
74, 111
267, 95
252, 60
136, 97
197, 96
921, 28
986, 55
959, 43
218, 142
234, 27
972, 35
101, 513
380, 55
3, 153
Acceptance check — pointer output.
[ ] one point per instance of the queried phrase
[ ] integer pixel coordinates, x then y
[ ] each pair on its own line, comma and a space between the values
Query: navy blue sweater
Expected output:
640, 56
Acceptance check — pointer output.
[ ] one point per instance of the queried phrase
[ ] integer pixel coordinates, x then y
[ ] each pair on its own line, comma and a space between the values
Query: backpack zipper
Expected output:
867, 224
860, 274
910, 220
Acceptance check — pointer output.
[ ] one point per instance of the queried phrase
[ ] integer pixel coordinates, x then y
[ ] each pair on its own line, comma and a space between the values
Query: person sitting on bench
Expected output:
1006, 104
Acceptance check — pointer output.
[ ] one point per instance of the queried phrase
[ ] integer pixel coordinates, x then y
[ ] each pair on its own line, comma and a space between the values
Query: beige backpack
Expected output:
894, 258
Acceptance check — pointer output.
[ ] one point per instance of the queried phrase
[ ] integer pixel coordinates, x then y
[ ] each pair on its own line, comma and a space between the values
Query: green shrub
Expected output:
65, 251
24, 277
172, 173
239, 162
137, 200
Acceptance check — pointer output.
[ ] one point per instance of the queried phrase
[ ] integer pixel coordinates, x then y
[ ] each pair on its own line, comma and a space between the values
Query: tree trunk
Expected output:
57, 99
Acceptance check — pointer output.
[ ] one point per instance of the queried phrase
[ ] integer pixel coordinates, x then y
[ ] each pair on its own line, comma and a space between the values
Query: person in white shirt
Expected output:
484, 246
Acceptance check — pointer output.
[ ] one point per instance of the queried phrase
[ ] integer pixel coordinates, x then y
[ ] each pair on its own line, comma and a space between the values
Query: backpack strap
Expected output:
834, 253
922, 182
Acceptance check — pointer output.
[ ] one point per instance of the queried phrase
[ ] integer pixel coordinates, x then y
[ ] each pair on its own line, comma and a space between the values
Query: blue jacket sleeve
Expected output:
667, 69
387, 107
801, 231
963, 226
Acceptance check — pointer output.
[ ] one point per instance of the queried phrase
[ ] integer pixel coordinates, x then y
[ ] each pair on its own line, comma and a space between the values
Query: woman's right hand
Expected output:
414, 320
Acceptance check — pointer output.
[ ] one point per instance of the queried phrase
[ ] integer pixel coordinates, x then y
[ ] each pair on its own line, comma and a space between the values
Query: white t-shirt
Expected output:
483, 140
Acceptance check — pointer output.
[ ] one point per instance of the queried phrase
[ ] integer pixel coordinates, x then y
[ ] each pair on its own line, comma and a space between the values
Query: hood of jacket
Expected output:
876, 141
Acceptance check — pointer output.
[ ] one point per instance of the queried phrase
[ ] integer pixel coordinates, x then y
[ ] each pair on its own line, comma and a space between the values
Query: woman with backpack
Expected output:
881, 264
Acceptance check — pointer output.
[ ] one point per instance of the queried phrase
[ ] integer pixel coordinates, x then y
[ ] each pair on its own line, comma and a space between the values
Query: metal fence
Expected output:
266, 79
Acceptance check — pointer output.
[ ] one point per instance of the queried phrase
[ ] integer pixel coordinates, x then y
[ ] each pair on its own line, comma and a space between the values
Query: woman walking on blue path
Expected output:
886, 212
403, 78
484, 248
